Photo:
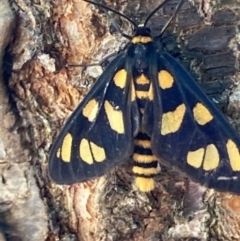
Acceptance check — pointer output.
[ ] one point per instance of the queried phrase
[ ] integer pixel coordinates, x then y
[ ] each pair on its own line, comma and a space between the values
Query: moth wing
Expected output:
99, 133
188, 131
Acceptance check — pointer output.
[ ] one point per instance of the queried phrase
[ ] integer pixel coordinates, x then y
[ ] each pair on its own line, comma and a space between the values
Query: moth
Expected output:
146, 106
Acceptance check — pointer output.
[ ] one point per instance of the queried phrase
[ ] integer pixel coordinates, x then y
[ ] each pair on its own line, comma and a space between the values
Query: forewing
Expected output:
99, 133
189, 131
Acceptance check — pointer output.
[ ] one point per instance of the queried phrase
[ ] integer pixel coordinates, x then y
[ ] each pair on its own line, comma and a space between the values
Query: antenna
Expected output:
118, 13
146, 21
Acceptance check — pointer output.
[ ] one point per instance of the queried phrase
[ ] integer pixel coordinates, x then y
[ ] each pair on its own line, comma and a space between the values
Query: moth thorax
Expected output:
140, 57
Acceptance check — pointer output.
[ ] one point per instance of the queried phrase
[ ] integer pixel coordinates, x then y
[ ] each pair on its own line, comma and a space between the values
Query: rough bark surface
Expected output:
39, 92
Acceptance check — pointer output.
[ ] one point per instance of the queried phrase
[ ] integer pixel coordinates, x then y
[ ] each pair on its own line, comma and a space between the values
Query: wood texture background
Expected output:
37, 93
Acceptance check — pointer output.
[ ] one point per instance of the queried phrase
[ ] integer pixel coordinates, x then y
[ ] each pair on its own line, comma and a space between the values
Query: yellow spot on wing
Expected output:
172, 120
98, 152
120, 78
90, 152
142, 80
141, 39
165, 79
90, 110
144, 184
195, 158
115, 117
66, 149
201, 114
211, 158
85, 151
234, 156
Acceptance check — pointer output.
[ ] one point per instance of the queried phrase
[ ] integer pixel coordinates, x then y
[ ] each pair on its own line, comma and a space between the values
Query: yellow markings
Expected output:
211, 158
145, 171
165, 79
201, 114
143, 143
115, 117
120, 78
144, 184
98, 152
90, 110
85, 151
89, 152
233, 154
172, 120
142, 80
141, 39
133, 93
142, 94
143, 158
66, 148
150, 92
195, 158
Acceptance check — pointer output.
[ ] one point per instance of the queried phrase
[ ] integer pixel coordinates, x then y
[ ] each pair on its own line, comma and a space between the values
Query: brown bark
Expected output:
47, 35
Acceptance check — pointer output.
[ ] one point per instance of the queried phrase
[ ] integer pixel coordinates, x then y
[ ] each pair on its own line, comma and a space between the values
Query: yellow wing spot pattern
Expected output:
234, 156
141, 39
172, 120
90, 152
144, 158
201, 114
90, 110
144, 184
120, 78
208, 157
142, 80
211, 158
66, 148
98, 152
85, 151
195, 158
165, 79
115, 117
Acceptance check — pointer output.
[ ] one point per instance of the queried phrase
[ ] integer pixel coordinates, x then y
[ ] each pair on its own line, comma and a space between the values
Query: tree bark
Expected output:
42, 92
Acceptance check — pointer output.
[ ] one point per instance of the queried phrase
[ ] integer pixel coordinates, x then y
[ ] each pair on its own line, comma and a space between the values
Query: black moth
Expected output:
146, 106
